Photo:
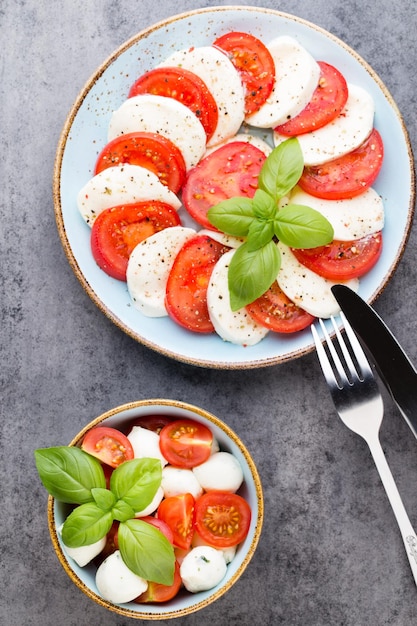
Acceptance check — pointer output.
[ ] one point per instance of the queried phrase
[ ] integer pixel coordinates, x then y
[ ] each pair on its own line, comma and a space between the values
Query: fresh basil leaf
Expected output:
103, 498
264, 207
86, 524
69, 474
146, 551
300, 226
260, 233
251, 273
282, 169
136, 482
122, 511
232, 216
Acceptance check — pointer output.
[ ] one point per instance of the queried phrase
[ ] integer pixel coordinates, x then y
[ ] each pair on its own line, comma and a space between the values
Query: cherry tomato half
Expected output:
108, 445
276, 311
231, 170
184, 86
222, 519
178, 513
255, 65
327, 102
342, 260
348, 176
161, 593
185, 443
118, 230
186, 289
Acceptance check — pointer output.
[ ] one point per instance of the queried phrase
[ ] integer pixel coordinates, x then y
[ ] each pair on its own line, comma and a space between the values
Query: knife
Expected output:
393, 365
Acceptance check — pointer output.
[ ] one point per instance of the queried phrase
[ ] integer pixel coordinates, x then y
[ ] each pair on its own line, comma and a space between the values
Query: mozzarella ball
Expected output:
202, 568
145, 444
116, 582
221, 472
84, 554
176, 481
228, 553
152, 506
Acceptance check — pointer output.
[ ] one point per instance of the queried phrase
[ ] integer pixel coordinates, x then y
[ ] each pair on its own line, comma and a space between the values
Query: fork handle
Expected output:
407, 532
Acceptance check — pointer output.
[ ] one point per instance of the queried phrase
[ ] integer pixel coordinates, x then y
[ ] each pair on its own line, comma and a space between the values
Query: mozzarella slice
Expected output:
307, 289
164, 116
149, 266
223, 81
223, 238
254, 140
202, 568
176, 480
297, 76
344, 134
221, 472
234, 326
351, 218
145, 444
122, 185
116, 582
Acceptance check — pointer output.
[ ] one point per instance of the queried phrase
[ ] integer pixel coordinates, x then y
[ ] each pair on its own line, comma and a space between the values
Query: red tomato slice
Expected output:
108, 445
278, 313
343, 260
255, 65
161, 593
184, 86
150, 150
186, 289
326, 104
112, 543
348, 176
222, 519
231, 170
178, 513
117, 231
160, 525
185, 443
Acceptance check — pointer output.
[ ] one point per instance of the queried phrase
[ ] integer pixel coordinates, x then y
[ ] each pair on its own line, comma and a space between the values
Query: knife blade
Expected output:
392, 364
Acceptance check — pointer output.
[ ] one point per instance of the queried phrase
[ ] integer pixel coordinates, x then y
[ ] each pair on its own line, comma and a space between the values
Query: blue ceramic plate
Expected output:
85, 134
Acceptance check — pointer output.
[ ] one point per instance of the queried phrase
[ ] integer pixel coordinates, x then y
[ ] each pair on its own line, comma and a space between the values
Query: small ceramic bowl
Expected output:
184, 603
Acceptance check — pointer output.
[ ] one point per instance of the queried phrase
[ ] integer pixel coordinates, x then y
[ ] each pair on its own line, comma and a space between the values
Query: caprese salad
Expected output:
196, 131
158, 509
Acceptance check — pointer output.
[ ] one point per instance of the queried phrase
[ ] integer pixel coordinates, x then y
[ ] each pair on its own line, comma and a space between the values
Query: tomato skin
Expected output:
348, 176
118, 230
184, 86
343, 260
222, 519
278, 313
150, 150
186, 289
327, 102
161, 593
185, 443
108, 445
231, 170
254, 63
178, 513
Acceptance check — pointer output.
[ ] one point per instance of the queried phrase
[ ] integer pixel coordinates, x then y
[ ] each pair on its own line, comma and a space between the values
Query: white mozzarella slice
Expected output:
176, 480
145, 444
344, 134
122, 185
116, 582
234, 326
297, 75
254, 140
148, 268
164, 116
223, 81
305, 288
202, 568
351, 218
223, 238
221, 472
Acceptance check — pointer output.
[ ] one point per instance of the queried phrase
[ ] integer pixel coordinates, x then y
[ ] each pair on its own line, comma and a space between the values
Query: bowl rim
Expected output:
139, 614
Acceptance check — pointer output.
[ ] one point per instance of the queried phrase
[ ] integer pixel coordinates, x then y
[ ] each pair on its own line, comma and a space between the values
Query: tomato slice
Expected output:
178, 513
348, 176
343, 260
118, 230
108, 445
327, 102
231, 170
184, 86
186, 289
185, 443
276, 311
222, 519
150, 150
161, 593
254, 63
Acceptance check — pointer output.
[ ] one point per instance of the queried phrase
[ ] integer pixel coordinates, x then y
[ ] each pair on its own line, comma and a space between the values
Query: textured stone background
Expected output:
330, 552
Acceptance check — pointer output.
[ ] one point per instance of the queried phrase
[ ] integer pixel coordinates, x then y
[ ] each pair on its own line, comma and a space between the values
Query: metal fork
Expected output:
358, 402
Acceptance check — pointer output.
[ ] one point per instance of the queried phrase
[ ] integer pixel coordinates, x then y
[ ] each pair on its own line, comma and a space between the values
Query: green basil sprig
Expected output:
75, 477
264, 219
